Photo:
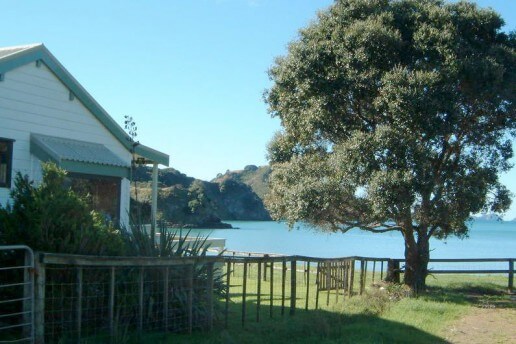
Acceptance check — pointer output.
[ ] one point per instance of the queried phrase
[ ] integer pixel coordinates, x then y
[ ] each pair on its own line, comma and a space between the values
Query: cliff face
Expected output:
191, 202
238, 201
257, 178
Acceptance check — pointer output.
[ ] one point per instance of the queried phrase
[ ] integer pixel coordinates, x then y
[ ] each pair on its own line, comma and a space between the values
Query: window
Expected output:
103, 192
6, 161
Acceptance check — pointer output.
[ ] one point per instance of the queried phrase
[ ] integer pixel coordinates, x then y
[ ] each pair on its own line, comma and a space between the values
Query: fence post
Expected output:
307, 284
189, 301
337, 280
333, 275
165, 298
328, 282
28, 291
259, 291
343, 277
265, 267
374, 268
511, 275
79, 304
234, 262
140, 302
244, 291
271, 297
209, 294
317, 285
365, 273
228, 280
293, 282
39, 302
111, 302
283, 279
249, 271
351, 277
361, 277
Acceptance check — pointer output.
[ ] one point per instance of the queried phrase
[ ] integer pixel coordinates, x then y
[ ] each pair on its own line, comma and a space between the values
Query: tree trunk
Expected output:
416, 261
393, 271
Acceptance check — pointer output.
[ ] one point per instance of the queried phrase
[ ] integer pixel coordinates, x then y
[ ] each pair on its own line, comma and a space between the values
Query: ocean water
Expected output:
487, 239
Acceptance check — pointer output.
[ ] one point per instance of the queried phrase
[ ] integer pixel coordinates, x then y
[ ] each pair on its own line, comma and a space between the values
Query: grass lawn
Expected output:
377, 316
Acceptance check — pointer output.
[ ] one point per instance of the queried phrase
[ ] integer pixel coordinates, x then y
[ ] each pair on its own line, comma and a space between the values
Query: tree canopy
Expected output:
396, 116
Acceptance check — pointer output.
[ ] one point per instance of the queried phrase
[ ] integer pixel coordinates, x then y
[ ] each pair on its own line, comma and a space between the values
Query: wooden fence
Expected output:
103, 298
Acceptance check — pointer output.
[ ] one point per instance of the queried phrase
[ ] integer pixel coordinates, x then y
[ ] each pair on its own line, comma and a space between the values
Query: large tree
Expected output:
397, 115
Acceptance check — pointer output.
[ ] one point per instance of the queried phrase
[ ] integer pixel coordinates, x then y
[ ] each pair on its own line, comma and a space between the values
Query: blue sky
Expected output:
191, 73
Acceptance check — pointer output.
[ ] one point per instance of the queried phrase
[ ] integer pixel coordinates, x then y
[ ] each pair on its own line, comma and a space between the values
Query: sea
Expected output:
487, 239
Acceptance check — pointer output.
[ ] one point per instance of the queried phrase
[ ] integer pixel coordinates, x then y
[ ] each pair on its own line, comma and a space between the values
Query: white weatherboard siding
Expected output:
33, 100
4, 196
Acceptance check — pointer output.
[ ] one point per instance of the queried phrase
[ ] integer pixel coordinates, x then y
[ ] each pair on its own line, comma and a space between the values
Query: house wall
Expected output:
33, 100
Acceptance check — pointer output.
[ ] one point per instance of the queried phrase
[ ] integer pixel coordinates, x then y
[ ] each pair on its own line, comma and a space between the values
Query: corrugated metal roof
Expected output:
6, 51
72, 150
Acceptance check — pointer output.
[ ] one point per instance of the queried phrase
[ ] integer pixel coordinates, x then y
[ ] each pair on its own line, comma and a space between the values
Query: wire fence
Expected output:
16, 294
269, 287
105, 299
111, 299
104, 302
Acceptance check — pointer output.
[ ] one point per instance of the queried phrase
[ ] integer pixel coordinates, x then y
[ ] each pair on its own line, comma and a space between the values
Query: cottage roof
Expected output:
16, 56
74, 150
75, 155
6, 51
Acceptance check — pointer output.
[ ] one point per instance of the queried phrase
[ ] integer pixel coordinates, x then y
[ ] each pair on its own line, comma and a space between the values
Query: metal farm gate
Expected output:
16, 294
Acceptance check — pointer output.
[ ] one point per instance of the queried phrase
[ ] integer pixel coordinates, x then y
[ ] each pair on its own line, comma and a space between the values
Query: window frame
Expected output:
10, 144
117, 180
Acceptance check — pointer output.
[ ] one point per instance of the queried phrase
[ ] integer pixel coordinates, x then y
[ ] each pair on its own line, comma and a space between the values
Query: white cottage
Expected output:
46, 115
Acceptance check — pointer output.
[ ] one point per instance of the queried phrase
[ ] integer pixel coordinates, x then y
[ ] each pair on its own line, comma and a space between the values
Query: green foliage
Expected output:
189, 202
197, 197
52, 218
170, 244
396, 115
132, 129
255, 177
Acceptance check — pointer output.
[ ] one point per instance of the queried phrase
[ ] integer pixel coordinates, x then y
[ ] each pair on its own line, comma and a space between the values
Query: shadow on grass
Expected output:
356, 325
306, 326
488, 295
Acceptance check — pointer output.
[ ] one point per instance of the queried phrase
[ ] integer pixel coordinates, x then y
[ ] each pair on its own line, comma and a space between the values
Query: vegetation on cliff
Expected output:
189, 202
256, 177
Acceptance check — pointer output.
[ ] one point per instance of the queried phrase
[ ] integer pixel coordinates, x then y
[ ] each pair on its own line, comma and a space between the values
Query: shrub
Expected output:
53, 218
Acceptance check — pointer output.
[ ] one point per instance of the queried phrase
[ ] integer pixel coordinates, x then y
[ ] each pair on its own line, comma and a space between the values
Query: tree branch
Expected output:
431, 231
374, 230
373, 227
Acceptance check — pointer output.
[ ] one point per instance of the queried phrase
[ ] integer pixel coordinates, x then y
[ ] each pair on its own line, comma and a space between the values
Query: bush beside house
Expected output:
51, 217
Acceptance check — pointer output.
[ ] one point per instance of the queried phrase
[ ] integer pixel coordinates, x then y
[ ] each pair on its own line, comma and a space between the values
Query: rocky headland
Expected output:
186, 202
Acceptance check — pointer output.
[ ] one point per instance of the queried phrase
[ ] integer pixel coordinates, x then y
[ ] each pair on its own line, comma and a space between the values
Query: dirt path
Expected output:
484, 326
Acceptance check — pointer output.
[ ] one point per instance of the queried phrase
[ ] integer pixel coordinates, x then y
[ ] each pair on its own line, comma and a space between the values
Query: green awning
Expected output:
78, 156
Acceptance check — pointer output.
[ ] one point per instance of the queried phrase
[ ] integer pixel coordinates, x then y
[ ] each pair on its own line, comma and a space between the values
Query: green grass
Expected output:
374, 317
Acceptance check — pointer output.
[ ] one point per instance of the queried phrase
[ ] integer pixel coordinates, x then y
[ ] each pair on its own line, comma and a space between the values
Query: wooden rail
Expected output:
83, 260
269, 259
